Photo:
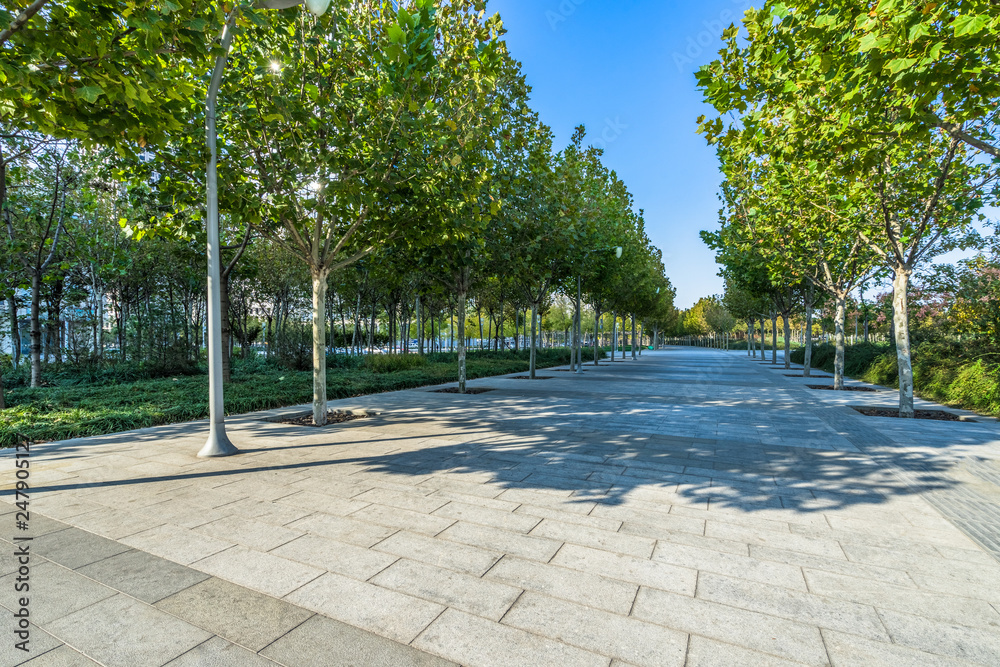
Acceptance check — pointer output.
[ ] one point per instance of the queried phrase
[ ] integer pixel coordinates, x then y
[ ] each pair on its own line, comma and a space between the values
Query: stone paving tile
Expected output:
248, 532
627, 639
705, 652
477, 642
394, 517
973, 644
62, 656
176, 544
149, 637
507, 520
394, 615
323, 641
333, 556
242, 616
525, 546
589, 589
343, 529
264, 572
439, 552
748, 629
142, 575
217, 652
489, 599
75, 548
55, 592
742, 567
655, 574
853, 651
40, 644
594, 537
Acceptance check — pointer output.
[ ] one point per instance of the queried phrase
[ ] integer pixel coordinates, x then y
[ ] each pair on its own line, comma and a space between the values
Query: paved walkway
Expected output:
692, 508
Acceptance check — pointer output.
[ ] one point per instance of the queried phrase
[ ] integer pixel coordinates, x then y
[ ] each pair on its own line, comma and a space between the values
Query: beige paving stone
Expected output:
747, 629
394, 517
394, 615
836, 566
333, 556
249, 532
518, 523
705, 652
263, 572
589, 589
980, 646
655, 520
775, 539
945, 608
478, 642
524, 546
115, 524
417, 501
217, 652
681, 537
343, 529
62, 656
590, 520
853, 651
54, 592
628, 639
176, 544
559, 501
816, 610
322, 502
592, 537
274, 513
475, 595
742, 567
643, 571
439, 552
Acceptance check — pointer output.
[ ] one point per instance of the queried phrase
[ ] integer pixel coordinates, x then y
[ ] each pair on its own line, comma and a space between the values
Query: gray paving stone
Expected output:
401, 519
74, 548
705, 652
981, 646
55, 592
747, 629
393, 615
518, 523
217, 652
343, 529
476, 642
176, 544
39, 643
323, 641
524, 546
593, 537
263, 572
148, 637
242, 616
589, 589
249, 532
742, 567
628, 639
63, 656
143, 576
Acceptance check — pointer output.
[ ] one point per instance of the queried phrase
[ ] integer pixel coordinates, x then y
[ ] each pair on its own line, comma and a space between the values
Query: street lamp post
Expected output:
218, 443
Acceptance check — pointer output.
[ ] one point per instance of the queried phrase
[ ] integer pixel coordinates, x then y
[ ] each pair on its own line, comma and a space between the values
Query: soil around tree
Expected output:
528, 377
468, 390
844, 388
800, 375
333, 417
937, 415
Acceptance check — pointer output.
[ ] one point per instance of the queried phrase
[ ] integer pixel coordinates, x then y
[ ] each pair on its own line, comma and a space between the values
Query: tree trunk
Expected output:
808, 338
36, 331
774, 339
534, 340
15, 331
319, 285
751, 350
597, 333
420, 329
901, 330
788, 341
461, 339
226, 329
633, 339
763, 355
838, 364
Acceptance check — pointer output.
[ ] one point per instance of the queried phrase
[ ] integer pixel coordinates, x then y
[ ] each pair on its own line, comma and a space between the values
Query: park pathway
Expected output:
694, 507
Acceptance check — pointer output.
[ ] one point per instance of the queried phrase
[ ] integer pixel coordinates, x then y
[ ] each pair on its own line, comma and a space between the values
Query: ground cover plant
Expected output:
69, 408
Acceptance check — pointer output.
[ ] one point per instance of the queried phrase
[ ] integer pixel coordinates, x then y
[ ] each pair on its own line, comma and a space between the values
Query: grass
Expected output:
71, 409
946, 373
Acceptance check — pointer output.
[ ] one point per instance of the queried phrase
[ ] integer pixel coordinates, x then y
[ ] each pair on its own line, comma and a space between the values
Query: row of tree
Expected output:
858, 141
384, 152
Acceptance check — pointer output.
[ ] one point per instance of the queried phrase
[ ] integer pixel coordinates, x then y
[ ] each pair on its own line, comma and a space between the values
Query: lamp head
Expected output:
618, 252
318, 7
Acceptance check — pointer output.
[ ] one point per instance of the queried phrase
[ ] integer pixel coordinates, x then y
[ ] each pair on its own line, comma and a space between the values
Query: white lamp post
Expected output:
218, 443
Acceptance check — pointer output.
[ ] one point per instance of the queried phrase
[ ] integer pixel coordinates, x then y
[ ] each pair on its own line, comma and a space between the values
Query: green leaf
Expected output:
969, 25
89, 93
396, 34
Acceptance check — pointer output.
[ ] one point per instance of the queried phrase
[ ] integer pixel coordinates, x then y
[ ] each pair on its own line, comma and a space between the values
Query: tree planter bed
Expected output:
333, 417
938, 415
528, 377
845, 388
468, 390
809, 377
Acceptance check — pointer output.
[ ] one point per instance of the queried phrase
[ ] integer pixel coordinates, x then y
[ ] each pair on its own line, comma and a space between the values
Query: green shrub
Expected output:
390, 363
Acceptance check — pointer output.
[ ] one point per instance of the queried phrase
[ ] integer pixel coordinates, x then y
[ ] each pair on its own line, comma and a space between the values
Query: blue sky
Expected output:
625, 69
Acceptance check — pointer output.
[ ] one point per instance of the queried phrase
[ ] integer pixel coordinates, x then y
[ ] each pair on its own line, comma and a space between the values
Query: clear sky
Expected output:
625, 69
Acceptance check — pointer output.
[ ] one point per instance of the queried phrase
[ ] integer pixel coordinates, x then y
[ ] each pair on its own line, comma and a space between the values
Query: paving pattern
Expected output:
693, 507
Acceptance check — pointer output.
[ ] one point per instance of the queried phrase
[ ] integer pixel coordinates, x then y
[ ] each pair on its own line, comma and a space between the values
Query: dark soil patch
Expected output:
820, 377
938, 415
468, 390
528, 377
333, 417
845, 388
